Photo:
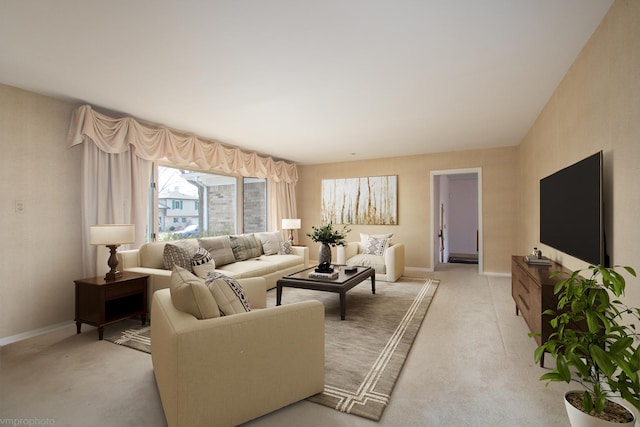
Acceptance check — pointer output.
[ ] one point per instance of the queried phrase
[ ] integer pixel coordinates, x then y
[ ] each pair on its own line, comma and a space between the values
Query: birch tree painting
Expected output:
367, 200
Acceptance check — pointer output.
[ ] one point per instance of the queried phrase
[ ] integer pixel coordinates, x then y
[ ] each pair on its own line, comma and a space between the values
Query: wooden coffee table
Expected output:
341, 285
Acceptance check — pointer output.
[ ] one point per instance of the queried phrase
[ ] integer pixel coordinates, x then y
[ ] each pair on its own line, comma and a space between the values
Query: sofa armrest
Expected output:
229, 370
343, 253
394, 261
302, 251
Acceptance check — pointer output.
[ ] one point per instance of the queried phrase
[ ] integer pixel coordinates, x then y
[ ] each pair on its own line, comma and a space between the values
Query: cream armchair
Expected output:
389, 267
225, 371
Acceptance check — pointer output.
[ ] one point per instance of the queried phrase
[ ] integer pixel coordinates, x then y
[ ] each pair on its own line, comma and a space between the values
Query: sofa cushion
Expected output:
285, 248
375, 245
202, 263
178, 253
270, 242
364, 238
374, 261
190, 294
281, 262
151, 255
220, 249
245, 246
228, 293
249, 268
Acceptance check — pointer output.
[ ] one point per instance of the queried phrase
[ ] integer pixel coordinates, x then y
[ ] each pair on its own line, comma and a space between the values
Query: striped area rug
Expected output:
365, 353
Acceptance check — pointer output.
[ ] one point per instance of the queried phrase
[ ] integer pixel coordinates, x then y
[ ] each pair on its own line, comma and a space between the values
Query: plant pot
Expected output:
324, 253
577, 418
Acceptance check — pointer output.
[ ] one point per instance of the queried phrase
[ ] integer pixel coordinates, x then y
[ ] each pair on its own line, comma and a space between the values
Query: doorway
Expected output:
456, 213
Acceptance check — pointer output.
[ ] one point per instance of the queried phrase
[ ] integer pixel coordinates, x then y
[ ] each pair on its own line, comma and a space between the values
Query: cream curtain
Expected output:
114, 191
116, 135
117, 171
285, 193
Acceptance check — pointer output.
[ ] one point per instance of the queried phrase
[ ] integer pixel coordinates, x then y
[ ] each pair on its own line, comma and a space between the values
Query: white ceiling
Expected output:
308, 81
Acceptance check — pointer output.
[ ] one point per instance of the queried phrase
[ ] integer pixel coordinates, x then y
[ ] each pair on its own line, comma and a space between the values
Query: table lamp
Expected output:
112, 236
291, 224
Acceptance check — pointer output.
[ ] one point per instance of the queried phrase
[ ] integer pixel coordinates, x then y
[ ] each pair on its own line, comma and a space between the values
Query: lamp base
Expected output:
113, 275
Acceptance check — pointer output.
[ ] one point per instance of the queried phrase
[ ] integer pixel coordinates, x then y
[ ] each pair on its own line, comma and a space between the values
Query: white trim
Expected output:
495, 274
434, 225
34, 333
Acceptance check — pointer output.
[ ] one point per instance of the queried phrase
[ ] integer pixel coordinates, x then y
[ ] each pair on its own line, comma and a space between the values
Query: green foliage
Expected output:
595, 342
326, 234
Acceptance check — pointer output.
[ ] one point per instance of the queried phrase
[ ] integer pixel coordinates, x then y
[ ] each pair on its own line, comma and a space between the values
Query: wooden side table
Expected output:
100, 302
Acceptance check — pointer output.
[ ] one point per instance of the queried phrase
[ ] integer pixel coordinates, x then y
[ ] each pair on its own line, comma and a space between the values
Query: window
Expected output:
209, 204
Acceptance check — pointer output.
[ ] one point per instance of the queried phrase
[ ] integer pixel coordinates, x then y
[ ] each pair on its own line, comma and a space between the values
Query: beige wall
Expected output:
596, 107
40, 252
414, 211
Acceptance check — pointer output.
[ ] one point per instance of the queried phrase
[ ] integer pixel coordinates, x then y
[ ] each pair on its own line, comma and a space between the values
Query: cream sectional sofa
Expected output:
148, 259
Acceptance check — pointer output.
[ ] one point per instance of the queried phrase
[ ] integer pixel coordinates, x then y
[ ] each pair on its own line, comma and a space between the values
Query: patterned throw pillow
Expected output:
228, 293
285, 248
245, 247
178, 253
375, 246
202, 263
189, 294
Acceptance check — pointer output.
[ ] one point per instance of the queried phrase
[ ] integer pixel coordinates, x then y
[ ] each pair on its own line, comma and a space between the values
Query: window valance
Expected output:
151, 142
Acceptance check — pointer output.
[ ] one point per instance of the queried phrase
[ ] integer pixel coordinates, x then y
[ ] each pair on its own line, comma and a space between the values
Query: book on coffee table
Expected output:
328, 276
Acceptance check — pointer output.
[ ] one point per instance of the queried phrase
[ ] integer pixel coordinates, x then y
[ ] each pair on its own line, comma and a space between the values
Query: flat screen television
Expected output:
571, 210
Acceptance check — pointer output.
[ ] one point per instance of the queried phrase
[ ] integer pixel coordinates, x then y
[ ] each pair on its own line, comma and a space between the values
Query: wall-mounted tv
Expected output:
571, 210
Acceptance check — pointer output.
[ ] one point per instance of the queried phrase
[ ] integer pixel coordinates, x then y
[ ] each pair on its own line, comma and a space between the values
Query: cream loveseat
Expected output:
377, 252
227, 370
148, 259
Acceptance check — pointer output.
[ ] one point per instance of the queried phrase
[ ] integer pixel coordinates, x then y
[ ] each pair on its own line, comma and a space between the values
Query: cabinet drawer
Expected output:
124, 289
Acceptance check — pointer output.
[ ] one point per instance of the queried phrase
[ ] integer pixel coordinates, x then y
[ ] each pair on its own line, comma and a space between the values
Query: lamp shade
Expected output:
112, 234
290, 224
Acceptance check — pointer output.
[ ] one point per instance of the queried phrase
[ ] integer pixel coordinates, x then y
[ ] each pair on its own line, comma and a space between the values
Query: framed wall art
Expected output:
367, 200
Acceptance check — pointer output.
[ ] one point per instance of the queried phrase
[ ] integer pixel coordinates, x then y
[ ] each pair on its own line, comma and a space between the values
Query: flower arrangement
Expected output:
327, 235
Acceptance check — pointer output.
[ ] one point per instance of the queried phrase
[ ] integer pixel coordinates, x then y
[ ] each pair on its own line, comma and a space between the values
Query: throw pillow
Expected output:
375, 246
270, 242
245, 247
285, 248
220, 249
364, 238
190, 294
177, 253
228, 293
202, 263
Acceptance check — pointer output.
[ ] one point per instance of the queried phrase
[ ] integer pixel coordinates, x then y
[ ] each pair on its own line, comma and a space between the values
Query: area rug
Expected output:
364, 354
129, 333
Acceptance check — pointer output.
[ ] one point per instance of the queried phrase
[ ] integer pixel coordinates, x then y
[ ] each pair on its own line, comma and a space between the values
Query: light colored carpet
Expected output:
471, 364
365, 353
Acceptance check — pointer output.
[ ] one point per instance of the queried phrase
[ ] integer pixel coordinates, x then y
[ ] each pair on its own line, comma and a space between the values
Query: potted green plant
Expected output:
327, 236
595, 344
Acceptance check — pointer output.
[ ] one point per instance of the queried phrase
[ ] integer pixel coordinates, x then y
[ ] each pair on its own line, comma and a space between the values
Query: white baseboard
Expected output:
34, 333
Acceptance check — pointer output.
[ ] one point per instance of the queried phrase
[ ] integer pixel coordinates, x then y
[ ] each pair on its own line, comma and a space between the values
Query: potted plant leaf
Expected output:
595, 344
327, 236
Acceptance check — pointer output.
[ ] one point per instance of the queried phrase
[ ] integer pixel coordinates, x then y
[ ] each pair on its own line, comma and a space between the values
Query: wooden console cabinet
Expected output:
532, 291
